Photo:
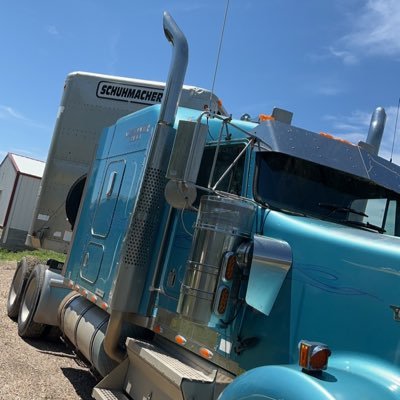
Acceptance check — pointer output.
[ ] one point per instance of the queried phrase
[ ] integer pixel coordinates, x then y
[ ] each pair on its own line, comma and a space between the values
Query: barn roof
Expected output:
27, 166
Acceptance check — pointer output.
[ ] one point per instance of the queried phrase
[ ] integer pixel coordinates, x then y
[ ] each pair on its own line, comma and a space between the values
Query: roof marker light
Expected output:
265, 117
329, 136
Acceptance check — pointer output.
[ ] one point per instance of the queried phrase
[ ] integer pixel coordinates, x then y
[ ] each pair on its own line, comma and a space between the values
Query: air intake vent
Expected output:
145, 222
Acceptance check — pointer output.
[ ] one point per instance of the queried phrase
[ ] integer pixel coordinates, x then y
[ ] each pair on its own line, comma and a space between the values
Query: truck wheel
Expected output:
21, 275
73, 199
27, 327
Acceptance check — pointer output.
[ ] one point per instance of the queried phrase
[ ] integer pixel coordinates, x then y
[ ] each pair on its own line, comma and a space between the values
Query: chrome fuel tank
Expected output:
85, 324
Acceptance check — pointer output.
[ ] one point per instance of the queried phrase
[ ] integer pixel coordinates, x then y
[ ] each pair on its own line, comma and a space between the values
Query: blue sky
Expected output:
331, 62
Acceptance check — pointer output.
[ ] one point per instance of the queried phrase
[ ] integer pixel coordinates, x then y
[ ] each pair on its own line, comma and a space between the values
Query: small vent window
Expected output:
232, 183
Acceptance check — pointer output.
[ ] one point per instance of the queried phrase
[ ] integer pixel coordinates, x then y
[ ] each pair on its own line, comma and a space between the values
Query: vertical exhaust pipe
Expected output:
177, 70
156, 161
376, 127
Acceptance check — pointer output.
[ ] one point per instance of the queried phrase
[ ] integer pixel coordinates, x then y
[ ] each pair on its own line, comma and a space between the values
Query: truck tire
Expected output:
73, 199
21, 275
27, 327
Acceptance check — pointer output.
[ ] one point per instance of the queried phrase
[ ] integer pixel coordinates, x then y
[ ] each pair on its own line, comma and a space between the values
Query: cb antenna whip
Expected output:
219, 53
395, 129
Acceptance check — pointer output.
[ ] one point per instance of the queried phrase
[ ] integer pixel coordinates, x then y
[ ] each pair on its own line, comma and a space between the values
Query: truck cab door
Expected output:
102, 221
107, 202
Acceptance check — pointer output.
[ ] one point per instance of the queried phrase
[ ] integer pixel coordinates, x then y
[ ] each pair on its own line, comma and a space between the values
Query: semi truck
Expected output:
214, 258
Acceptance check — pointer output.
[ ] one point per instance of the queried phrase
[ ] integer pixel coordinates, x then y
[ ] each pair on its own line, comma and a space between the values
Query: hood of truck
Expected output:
348, 377
344, 285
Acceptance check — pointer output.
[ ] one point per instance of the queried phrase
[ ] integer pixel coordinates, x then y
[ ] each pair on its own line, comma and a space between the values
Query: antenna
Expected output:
219, 53
395, 129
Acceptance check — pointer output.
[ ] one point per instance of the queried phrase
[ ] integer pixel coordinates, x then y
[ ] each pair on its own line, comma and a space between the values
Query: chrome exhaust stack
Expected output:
156, 167
177, 70
376, 128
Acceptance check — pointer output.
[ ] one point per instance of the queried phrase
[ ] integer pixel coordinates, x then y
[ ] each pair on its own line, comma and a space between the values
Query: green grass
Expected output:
43, 255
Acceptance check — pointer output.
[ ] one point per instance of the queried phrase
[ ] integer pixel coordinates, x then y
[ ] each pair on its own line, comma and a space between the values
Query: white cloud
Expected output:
9, 113
326, 86
347, 57
376, 30
354, 128
329, 89
52, 30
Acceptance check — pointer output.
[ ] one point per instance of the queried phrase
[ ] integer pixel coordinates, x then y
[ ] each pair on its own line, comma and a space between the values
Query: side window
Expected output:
390, 223
232, 182
381, 212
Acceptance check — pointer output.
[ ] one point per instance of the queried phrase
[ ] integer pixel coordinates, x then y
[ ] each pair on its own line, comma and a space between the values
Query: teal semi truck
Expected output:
214, 258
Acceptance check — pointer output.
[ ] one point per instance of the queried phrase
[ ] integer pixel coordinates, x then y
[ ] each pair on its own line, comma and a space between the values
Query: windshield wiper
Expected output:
363, 225
284, 210
336, 207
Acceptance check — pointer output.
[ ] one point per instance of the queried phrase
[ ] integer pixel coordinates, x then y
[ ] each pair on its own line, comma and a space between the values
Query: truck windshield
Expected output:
294, 185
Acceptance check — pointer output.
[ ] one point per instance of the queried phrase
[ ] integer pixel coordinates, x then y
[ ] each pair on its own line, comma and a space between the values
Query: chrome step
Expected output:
157, 373
167, 364
161, 371
107, 394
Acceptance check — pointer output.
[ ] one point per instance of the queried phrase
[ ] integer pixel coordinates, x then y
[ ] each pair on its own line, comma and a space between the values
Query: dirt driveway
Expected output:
36, 369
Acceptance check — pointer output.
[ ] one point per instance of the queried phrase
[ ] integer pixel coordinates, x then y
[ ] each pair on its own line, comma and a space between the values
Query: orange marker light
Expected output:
180, 340
158, 329
329, 136
205, 353
303, 354
319, 360
230, 268
223, 300
265, 117
313, 356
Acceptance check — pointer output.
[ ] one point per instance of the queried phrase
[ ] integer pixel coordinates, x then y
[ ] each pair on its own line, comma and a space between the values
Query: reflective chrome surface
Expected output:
271, 262
221, 226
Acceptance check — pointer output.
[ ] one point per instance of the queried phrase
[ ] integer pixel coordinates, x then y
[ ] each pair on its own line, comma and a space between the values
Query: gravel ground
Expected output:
36, 369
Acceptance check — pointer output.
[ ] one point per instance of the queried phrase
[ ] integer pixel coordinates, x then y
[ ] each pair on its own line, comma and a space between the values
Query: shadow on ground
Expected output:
82, 381
51, 344
80, 377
